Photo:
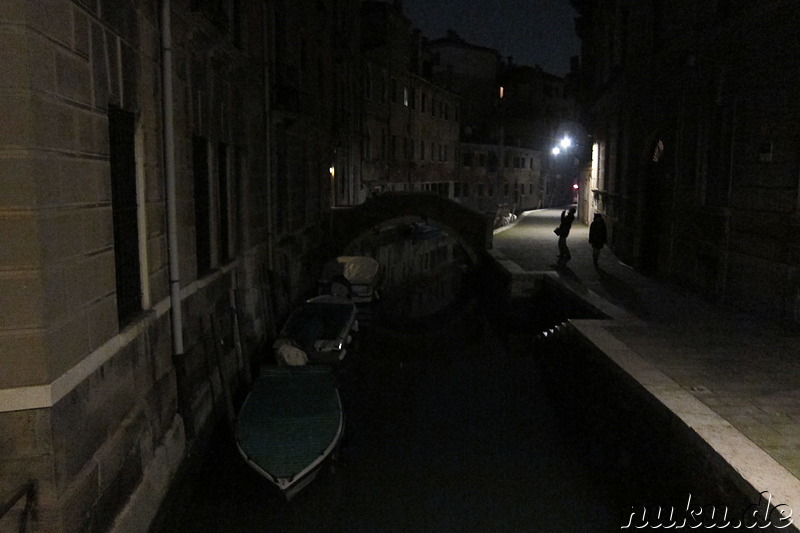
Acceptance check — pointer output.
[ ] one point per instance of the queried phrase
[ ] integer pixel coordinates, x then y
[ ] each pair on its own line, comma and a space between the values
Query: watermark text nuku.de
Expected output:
759, 515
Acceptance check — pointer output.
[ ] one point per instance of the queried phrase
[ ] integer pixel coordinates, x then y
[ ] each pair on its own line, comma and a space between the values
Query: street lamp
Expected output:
563, 145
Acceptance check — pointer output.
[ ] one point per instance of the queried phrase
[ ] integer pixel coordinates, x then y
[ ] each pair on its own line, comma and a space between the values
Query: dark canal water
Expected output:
446, 432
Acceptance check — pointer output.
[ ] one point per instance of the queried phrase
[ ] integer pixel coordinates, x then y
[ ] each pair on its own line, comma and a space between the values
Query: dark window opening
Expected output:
224, 14
202, 226
222, 187
122, 141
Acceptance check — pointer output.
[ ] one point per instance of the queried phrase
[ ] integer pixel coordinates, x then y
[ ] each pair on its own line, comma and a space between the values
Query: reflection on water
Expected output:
423, 269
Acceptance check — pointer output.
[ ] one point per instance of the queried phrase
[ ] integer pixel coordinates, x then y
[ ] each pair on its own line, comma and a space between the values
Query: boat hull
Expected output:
317, 332
290, 424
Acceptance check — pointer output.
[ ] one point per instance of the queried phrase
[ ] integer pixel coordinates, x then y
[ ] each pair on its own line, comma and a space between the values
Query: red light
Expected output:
575, 186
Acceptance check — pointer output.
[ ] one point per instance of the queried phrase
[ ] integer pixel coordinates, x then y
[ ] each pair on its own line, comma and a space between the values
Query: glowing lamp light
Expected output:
575, 186
566, 142
556, 150
332, 171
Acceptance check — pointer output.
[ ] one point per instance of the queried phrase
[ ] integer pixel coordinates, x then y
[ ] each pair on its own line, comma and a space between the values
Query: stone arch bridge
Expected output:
472, 229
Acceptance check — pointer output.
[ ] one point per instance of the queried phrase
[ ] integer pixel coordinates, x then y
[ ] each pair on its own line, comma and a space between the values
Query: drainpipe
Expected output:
169, 169
267, 58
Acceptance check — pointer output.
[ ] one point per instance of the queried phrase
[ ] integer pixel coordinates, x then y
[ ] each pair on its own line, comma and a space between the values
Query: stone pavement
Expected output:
732, 378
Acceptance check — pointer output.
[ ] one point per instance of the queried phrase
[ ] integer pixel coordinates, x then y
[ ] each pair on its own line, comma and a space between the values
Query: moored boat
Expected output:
317, 332
353, 276
290, 424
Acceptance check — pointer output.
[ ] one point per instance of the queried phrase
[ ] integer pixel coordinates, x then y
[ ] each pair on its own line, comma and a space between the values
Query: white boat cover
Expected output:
357, 269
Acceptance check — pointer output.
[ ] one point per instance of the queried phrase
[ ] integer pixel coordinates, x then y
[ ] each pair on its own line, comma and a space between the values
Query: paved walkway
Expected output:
735, 378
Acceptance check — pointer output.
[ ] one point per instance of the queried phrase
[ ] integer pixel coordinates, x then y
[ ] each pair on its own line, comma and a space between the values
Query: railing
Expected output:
27, 491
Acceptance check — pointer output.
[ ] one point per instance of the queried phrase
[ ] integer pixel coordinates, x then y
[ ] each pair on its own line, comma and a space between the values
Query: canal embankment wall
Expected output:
640, 428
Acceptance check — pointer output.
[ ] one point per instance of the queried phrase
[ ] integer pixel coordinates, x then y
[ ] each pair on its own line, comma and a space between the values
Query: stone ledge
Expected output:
740, 460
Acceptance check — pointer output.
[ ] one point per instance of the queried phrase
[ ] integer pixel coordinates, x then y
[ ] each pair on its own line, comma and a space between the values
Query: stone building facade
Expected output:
510, 116
410, 124
168, 168
694, 120
164, 168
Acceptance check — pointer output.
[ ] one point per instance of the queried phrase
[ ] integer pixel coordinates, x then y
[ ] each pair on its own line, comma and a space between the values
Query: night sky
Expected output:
533, 32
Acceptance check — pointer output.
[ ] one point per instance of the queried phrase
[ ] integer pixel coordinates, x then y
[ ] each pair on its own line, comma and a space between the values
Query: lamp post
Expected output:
562, 149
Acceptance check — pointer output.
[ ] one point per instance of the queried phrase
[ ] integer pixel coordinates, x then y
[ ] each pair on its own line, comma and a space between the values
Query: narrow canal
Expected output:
446, 431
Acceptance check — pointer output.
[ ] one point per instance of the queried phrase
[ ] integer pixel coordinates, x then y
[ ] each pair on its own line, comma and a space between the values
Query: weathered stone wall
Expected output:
718, 210
96, 413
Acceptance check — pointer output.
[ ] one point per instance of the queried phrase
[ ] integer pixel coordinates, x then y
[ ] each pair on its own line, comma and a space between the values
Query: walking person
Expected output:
567, 217
598, 237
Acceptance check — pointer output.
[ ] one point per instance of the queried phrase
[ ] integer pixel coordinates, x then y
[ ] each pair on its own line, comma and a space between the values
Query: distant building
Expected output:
694, 120
509, 121
410, 126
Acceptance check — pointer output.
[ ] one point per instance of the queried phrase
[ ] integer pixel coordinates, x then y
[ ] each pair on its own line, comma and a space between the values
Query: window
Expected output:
368, 85
282, 177
202, 226
393, 90
223, 197
423, 102
366, 151
717, 178
122, 143
658, 24
382, 89
224, 14
765, 151
422, 150
405, 96
724, 9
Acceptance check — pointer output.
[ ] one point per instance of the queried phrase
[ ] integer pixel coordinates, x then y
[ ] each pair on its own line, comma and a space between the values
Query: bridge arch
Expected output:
472, 229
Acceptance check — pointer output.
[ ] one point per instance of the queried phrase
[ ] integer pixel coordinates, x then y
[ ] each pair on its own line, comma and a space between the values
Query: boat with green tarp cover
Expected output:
289, 424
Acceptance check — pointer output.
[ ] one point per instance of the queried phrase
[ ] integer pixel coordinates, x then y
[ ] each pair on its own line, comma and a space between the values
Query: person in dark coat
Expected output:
598, 236
567, 217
